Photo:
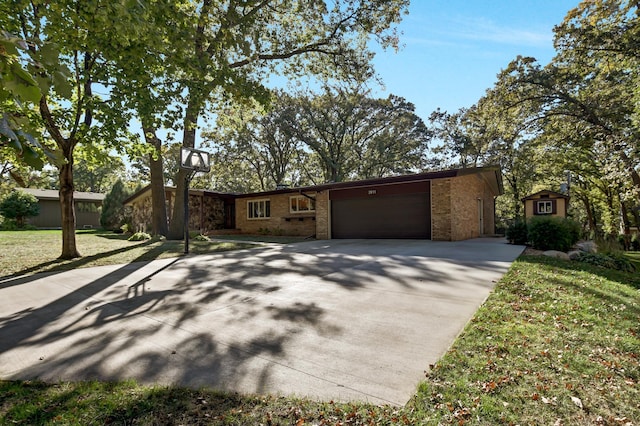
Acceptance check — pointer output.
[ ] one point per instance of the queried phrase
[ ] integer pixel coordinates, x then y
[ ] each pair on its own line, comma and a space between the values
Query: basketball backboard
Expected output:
194, 159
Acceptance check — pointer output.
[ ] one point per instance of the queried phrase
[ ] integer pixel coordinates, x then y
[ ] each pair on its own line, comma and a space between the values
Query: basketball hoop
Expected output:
194, 159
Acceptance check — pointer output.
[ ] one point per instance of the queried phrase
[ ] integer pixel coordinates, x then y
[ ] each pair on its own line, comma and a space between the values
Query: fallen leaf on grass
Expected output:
551, 401
577, 401
489, 386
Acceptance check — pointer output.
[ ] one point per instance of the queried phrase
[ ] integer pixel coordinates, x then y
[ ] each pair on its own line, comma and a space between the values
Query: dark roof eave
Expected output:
386, 180
557, 194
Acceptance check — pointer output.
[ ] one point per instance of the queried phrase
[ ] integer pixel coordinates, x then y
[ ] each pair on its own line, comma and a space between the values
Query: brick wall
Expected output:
441, 209
281, 222
464, 208
322, 215
465, 194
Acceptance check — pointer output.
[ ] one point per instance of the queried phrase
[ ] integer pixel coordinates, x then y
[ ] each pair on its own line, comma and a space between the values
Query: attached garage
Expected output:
446, 205
382, 211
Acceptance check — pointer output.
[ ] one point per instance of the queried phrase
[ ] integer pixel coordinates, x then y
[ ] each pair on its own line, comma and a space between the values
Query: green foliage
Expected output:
19, 205
264, 231
201, 237
552, 233
12, 225
113, 210
517, 232
610, 261
139, 236
608, 245
635, 242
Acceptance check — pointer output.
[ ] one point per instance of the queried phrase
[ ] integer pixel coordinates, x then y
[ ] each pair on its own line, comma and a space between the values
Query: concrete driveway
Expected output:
336, 320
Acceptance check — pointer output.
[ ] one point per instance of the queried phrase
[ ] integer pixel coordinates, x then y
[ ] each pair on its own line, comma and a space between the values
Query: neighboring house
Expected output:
446, 205
88, 206
546, 203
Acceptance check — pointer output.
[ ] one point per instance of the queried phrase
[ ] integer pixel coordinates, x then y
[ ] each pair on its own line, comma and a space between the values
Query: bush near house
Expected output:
113, 211
19, 206
517, 232
545, 233
552, 233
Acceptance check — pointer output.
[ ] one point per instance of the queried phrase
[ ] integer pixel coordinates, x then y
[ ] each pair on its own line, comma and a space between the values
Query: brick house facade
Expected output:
446, 205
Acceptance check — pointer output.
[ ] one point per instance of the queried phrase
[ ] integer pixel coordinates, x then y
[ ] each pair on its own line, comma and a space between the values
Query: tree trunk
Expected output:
69, 250
68, 215
158, 199
624, 217
176, 227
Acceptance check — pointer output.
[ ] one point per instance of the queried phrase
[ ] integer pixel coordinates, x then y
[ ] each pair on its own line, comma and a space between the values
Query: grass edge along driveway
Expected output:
29, 252
555, 343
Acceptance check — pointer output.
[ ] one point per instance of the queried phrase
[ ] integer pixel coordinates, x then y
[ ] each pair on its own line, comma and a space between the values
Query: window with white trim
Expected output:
545, 207
301, 204
258, 209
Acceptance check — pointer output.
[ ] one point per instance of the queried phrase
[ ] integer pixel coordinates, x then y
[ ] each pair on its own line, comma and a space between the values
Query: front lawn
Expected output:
27, 252
556, 343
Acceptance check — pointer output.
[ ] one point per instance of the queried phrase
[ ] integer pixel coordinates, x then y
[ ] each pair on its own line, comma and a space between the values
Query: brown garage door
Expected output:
392, 211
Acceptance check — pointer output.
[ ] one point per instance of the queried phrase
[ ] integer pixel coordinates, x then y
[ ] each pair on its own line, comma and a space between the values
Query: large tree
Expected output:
355, 136
71, 111
234, 45
580, 111
258, 137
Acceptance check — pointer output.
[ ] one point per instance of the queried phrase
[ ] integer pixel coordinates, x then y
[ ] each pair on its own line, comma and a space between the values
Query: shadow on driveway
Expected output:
337, 320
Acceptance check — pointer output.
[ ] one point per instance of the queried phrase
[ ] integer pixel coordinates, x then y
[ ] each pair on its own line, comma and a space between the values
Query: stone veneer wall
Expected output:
298, 224
141, 214
213, 212
441, 209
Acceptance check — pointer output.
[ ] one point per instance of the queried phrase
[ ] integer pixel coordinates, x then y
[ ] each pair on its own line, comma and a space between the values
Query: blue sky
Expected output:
453, 49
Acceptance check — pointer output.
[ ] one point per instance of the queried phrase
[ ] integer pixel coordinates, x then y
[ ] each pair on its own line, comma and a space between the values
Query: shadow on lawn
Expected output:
158, 405
59, 265
625, 278
613, 297
220, 321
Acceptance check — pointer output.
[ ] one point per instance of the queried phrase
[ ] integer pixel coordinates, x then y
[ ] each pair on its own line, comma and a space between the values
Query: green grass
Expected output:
634, 256
555, 343
27, 252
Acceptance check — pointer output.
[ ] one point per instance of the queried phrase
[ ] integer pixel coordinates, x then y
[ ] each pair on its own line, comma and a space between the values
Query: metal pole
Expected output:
186, 213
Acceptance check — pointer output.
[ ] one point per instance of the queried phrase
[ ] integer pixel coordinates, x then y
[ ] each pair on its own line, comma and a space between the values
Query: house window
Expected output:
301, 204
81, 206
545, 207
259, 209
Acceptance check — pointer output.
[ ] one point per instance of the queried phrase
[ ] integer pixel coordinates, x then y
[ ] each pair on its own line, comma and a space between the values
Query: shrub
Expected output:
113, 211
517, 232
11, 225
635, 242
201, 237
609, 261
139, 236
625, 241
552, 233
608, 245
19, 205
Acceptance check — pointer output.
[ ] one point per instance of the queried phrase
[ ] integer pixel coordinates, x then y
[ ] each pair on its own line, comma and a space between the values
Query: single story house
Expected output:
88, 207
546, 203
445, 205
